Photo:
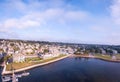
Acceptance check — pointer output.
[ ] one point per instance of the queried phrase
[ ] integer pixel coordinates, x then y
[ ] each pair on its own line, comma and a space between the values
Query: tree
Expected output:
15, 48
97, 50
46, 51
1, 50
12, 44
78, 51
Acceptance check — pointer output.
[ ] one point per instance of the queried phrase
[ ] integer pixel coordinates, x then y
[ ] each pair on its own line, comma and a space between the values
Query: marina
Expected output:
14, 77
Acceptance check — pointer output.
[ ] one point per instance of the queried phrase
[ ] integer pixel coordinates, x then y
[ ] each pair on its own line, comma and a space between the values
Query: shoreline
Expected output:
4, 72
110, 60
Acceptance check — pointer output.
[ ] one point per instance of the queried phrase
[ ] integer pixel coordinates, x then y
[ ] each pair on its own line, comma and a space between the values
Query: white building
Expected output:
46, 56
18, 58
114, 51
103, 51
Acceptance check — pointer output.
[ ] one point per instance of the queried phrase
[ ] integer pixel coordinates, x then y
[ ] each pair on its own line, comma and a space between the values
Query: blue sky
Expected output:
79, 21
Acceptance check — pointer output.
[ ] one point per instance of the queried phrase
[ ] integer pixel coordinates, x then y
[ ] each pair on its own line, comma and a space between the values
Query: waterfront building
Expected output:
114, 52
46, 56
18, 58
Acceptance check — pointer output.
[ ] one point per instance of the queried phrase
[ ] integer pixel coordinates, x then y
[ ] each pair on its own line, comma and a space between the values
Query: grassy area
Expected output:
107, 57
29, 62
33, 59
118, 56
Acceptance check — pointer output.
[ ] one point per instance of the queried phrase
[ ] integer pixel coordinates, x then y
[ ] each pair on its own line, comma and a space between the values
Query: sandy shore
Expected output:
33, 66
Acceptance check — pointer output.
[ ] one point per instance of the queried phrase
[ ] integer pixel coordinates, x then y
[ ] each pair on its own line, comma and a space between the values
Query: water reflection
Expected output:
75, 70
82, 59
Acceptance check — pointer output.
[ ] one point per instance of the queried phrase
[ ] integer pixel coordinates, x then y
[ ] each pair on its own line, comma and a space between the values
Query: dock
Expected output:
14, 77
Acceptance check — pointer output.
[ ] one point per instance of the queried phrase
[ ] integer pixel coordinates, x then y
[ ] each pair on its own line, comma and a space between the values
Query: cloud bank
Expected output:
50, 19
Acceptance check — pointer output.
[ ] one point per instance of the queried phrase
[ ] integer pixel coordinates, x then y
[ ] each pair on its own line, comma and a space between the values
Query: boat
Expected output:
19, 75
6, 78
25, 74
14, 77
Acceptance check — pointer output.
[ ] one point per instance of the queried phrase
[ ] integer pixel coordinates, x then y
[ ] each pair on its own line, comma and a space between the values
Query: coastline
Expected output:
4, 72
110, 60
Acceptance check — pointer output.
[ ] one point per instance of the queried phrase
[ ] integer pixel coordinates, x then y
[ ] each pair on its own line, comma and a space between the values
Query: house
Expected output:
114, 52
1, 55
29, 51
70, 51
18, 58
103, 51
46, 56
10, 51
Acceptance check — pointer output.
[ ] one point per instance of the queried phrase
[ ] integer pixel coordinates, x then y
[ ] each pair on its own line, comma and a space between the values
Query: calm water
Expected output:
75, 70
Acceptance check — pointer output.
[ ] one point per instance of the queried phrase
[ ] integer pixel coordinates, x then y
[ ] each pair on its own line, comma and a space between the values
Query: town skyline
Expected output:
73, 21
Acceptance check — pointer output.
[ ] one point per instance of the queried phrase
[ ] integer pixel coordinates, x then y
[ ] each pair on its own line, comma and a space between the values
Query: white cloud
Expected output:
4, 33
38, 18
100, 29
76, 15
27, 6
35, 13
19, 23
115, 11
10, 23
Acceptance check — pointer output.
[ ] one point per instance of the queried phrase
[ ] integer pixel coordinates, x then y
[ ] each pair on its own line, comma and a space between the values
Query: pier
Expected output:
14, 77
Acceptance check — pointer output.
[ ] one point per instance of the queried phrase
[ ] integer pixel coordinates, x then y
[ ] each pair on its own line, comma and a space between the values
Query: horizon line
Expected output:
58, 42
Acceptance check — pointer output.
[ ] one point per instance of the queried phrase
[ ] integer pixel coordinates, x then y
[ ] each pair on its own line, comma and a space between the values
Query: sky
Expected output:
73, 21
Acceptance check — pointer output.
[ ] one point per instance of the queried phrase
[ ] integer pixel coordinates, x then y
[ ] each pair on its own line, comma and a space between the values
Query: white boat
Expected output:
14, 77
19, 75
6, 78
25, 74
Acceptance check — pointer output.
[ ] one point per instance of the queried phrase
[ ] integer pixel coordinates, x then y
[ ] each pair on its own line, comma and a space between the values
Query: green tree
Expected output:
46, 51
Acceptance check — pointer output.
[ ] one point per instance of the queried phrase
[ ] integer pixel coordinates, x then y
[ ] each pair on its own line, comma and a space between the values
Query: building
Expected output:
18, 58
46, 56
